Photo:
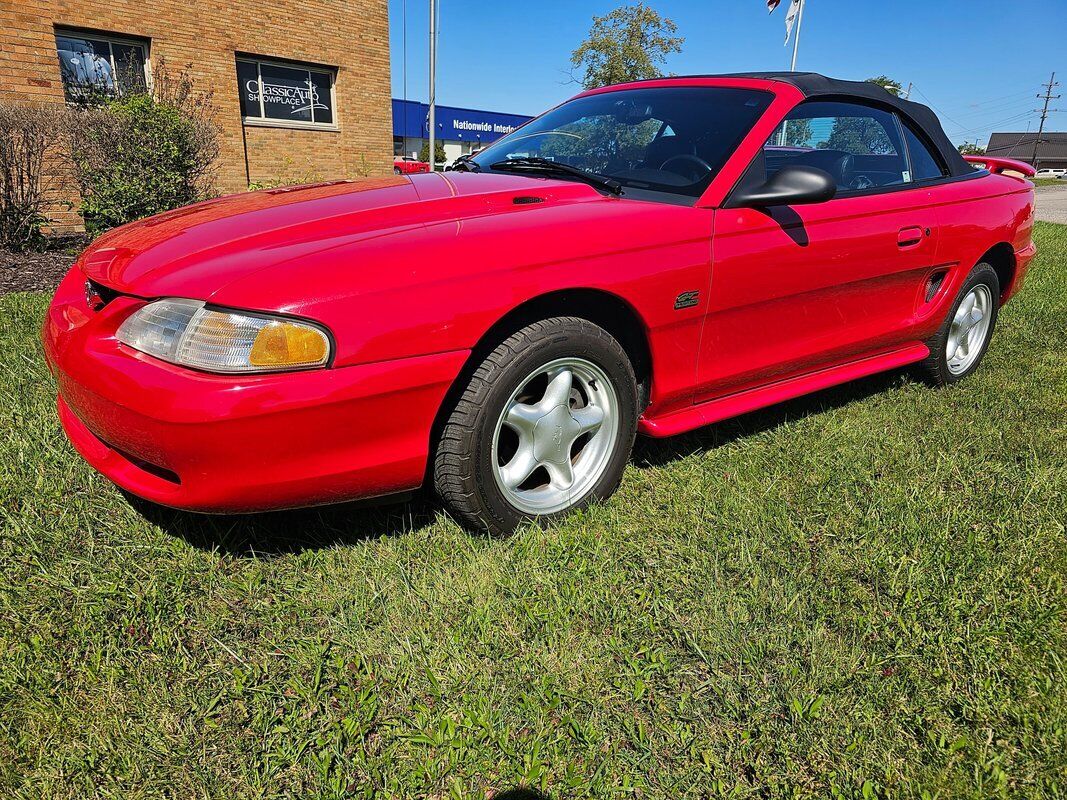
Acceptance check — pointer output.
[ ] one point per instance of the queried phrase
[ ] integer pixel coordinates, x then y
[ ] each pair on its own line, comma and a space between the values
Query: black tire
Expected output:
934, 369
397, 171
463, 469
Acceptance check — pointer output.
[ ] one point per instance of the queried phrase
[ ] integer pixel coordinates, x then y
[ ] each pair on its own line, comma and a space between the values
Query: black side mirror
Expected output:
791, 185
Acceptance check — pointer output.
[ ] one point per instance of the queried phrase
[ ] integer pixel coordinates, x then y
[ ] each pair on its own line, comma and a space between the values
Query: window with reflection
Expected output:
94, 65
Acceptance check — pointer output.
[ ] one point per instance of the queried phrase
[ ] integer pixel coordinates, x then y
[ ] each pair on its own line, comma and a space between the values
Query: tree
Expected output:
887, 83
797, 133
629, 44
438, 149
971, 149
861, 135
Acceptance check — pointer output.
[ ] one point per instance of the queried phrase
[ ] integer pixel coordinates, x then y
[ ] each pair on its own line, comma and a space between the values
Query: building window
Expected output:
94, 65
278, 93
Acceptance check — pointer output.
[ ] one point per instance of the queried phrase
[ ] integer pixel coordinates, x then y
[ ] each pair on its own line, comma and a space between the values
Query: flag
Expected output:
791, 17
772, 4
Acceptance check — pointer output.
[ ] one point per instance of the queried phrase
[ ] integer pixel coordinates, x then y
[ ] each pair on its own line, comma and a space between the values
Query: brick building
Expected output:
301, 87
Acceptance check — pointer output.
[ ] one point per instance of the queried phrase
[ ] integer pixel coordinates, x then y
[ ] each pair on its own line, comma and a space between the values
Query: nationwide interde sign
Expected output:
482, 127
453, 124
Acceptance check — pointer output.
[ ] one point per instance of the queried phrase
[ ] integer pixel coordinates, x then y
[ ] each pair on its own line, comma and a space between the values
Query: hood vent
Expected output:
527, 200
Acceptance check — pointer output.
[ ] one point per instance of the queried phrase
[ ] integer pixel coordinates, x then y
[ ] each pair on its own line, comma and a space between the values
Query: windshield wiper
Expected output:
466, 164
533, 164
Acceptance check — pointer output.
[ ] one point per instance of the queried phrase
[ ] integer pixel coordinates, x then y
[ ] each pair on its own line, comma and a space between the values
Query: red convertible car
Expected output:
645, 258
405, 165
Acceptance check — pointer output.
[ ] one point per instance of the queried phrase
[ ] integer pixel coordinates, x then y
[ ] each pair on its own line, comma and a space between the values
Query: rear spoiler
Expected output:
1003, 166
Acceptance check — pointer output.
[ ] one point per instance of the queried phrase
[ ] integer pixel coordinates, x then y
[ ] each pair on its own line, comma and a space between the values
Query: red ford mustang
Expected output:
649, 258
403, 165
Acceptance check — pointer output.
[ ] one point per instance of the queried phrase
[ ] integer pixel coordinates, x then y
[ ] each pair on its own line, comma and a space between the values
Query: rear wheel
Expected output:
545, 426
961, 342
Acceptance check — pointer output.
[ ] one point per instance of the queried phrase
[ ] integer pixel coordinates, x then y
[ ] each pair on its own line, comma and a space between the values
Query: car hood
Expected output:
198, 250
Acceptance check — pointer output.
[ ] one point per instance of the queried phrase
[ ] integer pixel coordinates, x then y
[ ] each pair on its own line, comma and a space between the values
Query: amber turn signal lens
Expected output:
281, 344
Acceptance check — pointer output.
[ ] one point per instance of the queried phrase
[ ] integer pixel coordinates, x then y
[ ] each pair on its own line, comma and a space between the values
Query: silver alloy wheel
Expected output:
969, 329
555, 436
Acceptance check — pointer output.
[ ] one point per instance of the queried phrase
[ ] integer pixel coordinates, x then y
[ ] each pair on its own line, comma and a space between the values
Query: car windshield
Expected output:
668, 141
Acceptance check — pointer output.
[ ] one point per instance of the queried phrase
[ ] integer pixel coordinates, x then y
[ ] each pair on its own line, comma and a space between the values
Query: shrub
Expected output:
28, 135
143, 153
439, 151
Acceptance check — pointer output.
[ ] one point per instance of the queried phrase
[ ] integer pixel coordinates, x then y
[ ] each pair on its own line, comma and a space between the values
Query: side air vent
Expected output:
933, 285
527, 200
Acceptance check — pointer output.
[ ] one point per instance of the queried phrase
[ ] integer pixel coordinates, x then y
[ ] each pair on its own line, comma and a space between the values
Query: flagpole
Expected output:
432, 121
796, 39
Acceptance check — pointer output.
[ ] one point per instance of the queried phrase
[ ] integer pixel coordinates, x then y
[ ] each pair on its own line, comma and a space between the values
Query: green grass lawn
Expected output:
859, 594
1048, 182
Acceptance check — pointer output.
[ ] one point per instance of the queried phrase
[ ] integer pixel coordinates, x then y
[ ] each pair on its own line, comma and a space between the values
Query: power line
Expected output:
1025, 94
1009, 148
992, 120
998, 108
962, 128
997, 123
940, 113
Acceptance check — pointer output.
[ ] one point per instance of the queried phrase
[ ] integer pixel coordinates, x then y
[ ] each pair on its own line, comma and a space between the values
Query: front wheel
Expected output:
544, 426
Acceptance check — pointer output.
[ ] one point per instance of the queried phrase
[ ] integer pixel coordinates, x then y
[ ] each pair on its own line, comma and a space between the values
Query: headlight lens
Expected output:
186, 332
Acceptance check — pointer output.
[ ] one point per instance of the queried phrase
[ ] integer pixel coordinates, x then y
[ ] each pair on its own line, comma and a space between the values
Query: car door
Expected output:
796, 289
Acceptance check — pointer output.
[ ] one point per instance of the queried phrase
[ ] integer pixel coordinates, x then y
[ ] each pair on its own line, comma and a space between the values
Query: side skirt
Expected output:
734, 405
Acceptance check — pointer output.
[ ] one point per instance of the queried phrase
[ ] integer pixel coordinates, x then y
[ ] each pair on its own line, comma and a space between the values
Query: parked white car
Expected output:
1051, 173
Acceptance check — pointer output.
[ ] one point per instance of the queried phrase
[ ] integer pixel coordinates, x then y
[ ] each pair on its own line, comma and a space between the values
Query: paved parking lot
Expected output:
1052, 203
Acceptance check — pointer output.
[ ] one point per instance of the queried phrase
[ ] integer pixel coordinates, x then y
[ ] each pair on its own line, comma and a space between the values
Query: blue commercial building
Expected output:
461, 130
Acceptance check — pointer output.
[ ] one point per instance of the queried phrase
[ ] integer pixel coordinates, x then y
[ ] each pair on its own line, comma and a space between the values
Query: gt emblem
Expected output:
686, 300
557, 437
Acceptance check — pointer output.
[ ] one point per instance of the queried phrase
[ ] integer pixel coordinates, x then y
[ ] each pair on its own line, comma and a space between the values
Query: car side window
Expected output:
924, 165
860, 146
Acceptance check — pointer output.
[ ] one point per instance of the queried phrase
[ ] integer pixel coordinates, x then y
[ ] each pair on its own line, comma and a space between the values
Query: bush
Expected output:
28, 135
141, 154
439, 151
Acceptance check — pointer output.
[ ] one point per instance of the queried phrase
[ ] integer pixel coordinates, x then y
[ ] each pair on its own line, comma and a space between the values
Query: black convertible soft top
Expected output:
814, 85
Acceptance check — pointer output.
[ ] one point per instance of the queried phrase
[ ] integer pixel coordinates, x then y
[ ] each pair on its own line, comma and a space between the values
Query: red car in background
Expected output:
650, 257
405, 165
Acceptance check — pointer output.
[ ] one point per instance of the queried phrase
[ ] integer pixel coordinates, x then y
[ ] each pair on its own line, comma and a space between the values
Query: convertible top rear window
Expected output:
667, 140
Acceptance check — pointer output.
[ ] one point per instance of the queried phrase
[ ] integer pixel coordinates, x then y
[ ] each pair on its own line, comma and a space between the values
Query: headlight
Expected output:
186, 332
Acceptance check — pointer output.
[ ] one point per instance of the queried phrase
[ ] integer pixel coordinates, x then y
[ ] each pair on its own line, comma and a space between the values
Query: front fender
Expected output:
441, 287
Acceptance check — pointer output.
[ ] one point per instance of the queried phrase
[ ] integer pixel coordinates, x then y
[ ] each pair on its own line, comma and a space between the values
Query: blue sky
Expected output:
963, 57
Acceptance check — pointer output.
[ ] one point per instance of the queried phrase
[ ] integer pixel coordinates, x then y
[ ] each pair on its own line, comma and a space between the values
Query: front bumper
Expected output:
215, 443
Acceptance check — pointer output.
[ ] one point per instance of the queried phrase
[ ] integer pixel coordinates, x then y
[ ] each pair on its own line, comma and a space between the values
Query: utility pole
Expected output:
907, 94
432, 121
1048, 97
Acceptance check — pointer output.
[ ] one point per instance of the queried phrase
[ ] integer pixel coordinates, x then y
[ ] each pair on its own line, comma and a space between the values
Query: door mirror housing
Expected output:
791, 185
